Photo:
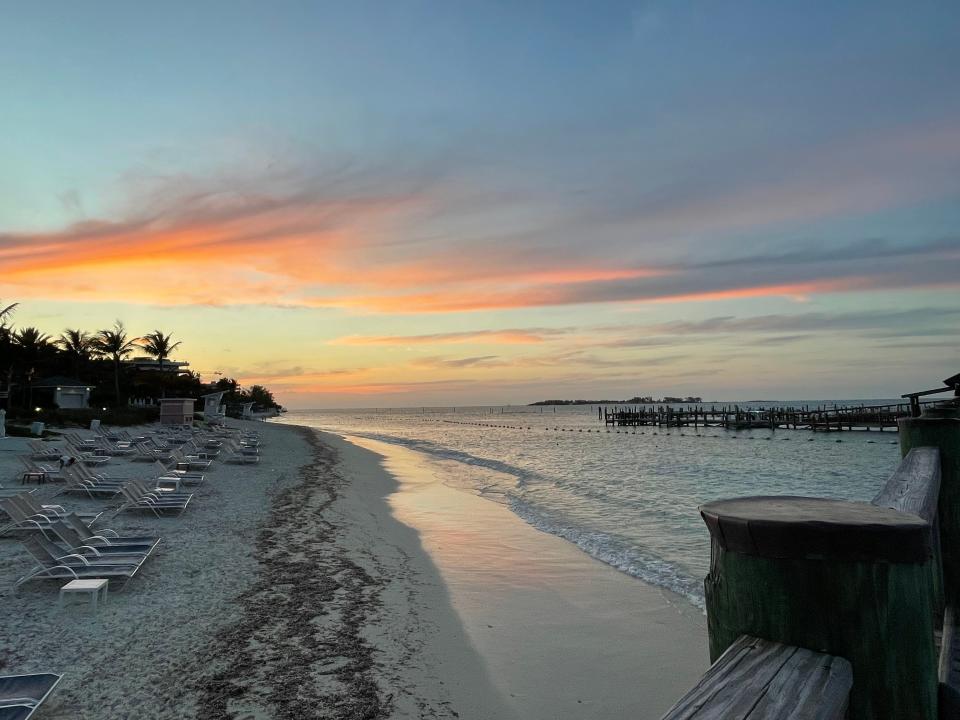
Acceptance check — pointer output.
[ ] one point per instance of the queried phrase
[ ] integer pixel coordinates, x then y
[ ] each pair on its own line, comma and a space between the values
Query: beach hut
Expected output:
67, 393
176, 411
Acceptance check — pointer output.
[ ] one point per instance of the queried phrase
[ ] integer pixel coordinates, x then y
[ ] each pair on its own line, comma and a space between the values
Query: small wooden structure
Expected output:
176, 411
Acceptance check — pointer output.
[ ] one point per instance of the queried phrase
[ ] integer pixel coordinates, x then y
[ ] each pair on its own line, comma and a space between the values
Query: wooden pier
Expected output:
820, 418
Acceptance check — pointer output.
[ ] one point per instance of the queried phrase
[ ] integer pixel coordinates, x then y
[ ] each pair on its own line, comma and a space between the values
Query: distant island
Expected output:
647, 400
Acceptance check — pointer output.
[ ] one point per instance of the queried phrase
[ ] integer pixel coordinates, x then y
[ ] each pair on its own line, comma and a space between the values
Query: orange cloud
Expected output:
378, 253
480, 337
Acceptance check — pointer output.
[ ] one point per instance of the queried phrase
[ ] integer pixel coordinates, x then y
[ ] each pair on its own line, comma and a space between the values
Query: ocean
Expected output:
629, 496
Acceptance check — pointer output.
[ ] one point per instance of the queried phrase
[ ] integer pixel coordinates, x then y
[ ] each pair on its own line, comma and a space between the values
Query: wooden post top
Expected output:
816, 528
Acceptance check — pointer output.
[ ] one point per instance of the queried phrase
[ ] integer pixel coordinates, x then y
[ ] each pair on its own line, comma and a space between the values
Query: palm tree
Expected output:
6, 313
78, 345
158, 345
30, 345
115, 344
6, 342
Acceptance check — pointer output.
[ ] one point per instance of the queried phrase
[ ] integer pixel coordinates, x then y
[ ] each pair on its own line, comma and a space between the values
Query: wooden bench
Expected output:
762, 680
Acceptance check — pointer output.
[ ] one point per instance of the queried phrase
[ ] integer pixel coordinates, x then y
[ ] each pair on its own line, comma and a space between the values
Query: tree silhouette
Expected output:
160, 346
116, 345
77, 345
30, 344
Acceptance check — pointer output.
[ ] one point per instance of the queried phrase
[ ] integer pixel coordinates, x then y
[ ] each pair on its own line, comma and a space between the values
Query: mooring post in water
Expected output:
843, 578
940, 428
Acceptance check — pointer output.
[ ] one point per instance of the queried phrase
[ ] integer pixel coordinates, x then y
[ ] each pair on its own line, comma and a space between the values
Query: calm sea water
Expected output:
628, 498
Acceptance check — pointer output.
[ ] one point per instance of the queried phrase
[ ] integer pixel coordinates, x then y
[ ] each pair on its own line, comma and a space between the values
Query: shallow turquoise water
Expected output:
628, 498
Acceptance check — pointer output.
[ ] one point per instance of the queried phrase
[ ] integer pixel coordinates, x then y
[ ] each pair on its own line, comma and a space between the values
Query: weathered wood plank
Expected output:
811, 686
950, 666
758, 680
914, 486
944, 434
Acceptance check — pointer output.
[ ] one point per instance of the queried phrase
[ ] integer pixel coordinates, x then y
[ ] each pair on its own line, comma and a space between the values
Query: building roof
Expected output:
61, 381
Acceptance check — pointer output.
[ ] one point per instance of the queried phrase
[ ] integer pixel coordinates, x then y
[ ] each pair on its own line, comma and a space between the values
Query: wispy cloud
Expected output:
508, 336
379, 242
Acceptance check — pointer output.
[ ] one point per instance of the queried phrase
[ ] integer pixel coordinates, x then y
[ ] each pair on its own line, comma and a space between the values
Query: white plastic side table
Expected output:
92, 588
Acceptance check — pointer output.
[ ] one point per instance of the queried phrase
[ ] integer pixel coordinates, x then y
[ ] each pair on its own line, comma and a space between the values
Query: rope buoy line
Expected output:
641, 432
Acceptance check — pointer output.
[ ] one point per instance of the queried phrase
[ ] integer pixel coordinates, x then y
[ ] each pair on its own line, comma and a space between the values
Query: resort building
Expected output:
66, 393
153, 365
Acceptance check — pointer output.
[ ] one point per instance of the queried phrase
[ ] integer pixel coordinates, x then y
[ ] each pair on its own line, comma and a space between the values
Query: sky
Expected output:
433, 203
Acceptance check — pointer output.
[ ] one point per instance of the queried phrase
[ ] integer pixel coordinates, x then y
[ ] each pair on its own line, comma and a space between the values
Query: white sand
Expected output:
559, 634
301, 588
133, 657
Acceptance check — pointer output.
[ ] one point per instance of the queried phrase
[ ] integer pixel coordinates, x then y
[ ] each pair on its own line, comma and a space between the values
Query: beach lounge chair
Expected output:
80, 444
240, 458
89, 473
190, 462
73, 540
151, 503
144, 488
34, 472
238, 447
186, 477
21, 519
145, 453
40, 450
72, 567
21, 695
110, 555
193, 449
32, 506
6, 492
97, 477
105, 535
93, 458
92, 488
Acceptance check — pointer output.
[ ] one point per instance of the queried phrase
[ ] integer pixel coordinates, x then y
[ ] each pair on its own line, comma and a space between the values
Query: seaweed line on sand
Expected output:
297, 650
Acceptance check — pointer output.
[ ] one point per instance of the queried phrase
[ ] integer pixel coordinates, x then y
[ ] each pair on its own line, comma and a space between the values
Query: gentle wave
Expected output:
626, 498
617, 553
606, 548
445, 453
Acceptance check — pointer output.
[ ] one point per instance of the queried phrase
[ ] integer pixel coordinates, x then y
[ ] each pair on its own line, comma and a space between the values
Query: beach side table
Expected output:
92, 588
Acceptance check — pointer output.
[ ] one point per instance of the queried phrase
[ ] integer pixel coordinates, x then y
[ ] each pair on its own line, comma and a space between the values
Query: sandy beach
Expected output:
340, 581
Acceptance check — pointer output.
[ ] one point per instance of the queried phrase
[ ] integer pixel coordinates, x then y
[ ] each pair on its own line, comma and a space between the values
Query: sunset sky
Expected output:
426, 203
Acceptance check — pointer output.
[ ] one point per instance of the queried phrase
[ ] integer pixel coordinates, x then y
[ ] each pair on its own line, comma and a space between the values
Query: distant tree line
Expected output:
638, 400
96, 358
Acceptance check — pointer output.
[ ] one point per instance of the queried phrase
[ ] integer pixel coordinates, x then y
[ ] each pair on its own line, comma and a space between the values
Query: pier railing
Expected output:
818, 418
835, 608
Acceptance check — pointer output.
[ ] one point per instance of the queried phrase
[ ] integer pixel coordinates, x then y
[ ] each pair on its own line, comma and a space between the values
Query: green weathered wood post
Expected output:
847, 579
940, 428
